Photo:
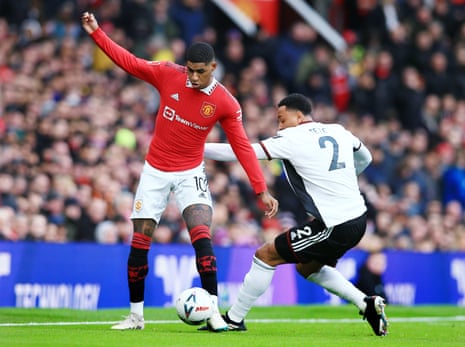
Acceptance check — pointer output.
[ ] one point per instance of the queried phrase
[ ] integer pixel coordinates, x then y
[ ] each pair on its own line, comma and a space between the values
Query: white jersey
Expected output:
319, 164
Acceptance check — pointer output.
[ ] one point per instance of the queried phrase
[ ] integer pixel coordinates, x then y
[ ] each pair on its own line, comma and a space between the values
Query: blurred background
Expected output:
74, 128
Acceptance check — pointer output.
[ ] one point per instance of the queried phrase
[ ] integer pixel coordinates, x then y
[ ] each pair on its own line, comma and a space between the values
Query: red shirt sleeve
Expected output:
246, 156
237, 137
138, 67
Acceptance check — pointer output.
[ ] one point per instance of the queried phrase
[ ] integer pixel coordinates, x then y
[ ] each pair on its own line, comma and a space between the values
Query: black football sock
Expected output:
206, 265
138, 266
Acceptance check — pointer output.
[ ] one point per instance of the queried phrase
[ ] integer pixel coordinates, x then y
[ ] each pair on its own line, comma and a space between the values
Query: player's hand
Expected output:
271, 204
89, 23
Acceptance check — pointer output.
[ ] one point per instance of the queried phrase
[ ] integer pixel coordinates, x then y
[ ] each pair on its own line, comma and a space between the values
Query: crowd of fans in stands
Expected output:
74, 129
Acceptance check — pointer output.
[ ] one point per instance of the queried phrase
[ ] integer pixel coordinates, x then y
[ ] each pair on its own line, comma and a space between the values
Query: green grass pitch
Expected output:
313, 325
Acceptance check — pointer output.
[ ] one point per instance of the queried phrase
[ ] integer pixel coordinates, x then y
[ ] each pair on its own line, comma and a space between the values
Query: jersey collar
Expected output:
208, 89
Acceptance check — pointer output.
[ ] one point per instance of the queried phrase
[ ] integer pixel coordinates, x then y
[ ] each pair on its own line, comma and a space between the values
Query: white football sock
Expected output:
215, 303
256, 281
137, 307
333, 281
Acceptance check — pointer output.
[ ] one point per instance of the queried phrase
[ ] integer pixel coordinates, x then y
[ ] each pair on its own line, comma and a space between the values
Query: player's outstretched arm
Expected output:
224, 152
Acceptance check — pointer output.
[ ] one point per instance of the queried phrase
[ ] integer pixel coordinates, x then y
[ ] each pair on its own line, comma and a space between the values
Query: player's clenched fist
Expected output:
89, 23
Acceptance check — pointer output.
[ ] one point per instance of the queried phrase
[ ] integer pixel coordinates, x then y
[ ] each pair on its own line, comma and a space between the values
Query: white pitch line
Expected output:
265, 321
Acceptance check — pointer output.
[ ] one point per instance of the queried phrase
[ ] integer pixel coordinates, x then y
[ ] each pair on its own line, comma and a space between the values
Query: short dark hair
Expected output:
200, 52
297, 102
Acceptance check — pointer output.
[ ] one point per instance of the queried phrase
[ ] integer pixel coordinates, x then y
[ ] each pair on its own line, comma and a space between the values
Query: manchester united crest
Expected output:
138, 205
207, 110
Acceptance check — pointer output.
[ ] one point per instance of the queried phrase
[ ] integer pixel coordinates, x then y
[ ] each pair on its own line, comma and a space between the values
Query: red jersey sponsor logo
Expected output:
207, 110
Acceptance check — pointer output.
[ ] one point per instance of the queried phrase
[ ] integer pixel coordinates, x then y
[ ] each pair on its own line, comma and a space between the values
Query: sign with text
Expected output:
92, 276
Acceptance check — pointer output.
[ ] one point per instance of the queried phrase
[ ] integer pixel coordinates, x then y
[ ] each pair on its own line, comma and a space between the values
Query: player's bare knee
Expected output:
196, 215
144, 226
268, 254
309, 268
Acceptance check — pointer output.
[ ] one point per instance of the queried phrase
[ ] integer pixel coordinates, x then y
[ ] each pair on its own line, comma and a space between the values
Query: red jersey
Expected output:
186, 115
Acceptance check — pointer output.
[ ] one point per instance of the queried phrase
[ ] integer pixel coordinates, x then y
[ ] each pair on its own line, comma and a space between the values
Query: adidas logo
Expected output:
175, 96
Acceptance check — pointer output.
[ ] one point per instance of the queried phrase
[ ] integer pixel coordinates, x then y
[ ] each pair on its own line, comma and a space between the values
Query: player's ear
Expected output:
213, 65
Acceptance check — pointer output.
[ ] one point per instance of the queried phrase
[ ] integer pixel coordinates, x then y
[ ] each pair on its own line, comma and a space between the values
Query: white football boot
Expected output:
131, 322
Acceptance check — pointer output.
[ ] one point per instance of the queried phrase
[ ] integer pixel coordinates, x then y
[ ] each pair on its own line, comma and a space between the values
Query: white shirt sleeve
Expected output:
224, 152
362, 158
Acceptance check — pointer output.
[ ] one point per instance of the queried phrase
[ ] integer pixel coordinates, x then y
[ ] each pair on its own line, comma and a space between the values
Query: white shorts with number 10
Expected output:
152, 195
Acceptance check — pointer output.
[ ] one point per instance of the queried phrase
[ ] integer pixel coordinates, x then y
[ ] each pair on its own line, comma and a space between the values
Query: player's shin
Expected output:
206, 265
256, 281
333, 281
137, 270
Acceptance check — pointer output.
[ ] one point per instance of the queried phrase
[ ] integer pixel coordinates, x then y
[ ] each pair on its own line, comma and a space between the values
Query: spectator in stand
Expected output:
190, 17
137, 22
37, 227
438, 78
458, 73
234, 59
386, 86
299, 39
7, 198
62, 24
54, 208
399, 46
378, 172
72, 214
106, 233
410, 169
124, 229
340, 85
6, 228
366, 19
422, 51
431, 118
93, 214
453, 180
20, 226
370, 274
409, 99
163, 25
363, 95
220, 227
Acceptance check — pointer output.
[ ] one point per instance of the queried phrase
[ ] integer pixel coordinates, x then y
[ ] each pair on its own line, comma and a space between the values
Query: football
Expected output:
194, 306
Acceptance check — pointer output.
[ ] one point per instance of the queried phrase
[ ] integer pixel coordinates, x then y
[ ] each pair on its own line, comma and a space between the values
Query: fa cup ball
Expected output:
194, 306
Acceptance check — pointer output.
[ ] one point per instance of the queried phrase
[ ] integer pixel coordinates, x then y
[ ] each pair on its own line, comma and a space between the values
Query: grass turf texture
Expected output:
419, 326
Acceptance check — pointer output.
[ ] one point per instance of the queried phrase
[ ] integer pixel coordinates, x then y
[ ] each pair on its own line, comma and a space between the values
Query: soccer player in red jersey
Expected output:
192, 101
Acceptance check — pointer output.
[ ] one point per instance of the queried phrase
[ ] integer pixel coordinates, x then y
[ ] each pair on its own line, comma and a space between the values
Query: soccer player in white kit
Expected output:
321, 162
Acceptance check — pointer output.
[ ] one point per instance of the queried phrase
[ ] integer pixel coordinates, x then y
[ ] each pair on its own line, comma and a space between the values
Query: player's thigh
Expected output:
191, 188
305, 243
152, 194
315, 242
268, 254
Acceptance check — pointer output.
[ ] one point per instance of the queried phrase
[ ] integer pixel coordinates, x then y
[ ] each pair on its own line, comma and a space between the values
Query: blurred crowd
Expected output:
74, 128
